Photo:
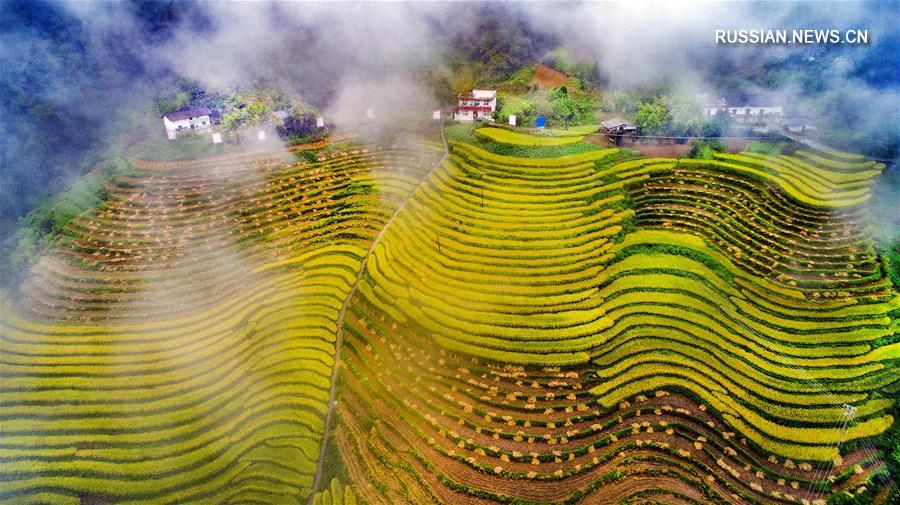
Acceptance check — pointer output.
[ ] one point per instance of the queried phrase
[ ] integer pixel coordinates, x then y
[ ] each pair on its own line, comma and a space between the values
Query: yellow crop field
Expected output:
407, 325
524, 139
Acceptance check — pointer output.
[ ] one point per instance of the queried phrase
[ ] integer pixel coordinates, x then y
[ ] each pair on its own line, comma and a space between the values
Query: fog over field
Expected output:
71, 64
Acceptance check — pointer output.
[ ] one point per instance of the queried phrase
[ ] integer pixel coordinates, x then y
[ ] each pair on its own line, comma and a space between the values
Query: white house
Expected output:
712, 107
194, 118
745, 109
477, 105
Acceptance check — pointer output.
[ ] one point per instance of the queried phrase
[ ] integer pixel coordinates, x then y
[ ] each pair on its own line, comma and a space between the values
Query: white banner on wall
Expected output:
320, 122
436, 114
217, 138
512, 120
370, 113
260, 135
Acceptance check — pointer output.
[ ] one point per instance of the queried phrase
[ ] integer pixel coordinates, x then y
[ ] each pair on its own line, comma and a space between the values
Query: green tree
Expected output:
705, 149
654, 118
687, 117
563, 106
463, 81
242, 117
711, 129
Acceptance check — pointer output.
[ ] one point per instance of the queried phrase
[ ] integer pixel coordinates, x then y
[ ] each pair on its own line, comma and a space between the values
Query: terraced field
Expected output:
586, 330
580, 329
179, 346
749, 205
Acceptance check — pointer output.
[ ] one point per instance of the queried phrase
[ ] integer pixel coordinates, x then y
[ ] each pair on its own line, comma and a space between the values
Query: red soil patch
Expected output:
662, 150
546, 77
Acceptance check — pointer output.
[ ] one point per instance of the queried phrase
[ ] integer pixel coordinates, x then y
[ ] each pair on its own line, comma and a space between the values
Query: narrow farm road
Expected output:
340, 322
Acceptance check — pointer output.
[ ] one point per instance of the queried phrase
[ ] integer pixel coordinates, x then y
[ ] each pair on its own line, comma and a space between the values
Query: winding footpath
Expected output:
340, 322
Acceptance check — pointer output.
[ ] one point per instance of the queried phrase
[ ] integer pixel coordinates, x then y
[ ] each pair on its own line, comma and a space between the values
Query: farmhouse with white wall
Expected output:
477, 105
744, 109
194, 118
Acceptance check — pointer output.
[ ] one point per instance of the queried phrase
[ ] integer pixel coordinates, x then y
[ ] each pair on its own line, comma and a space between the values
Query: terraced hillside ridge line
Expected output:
332, 395
518, 336
177, 346
523, 139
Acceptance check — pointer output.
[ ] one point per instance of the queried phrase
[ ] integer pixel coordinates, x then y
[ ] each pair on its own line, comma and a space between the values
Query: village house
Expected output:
712, 107
194, 118
618, 129
477, 105
744, 109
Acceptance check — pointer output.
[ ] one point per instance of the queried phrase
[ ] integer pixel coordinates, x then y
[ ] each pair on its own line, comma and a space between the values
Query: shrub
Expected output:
705, 149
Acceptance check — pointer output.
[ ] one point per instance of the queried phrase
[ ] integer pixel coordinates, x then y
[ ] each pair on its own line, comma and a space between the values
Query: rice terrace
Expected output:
506, 278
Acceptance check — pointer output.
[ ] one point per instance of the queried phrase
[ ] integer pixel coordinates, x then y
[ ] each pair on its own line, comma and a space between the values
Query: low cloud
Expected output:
71, 71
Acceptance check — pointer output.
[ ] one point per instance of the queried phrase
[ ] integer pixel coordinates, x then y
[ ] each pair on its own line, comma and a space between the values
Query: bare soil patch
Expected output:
546, 77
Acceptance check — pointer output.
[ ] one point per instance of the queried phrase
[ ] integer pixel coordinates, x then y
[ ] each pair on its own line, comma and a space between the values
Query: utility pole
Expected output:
849, 412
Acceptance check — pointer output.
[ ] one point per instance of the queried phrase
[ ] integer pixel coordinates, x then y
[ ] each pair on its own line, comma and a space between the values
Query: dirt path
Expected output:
340, 322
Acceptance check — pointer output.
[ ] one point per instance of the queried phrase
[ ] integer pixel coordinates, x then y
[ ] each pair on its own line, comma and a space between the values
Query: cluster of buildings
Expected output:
758, 108
202, 119
743, 108
480, 105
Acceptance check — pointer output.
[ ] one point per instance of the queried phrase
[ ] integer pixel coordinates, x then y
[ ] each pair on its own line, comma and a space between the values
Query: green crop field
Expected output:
428, 323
